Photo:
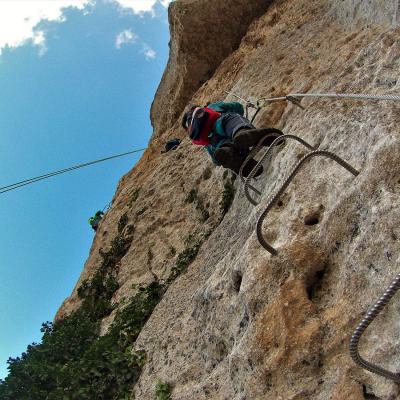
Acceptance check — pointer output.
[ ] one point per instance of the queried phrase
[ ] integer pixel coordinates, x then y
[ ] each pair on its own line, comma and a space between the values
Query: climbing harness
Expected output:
363, 325
279, 193
248, 104
25, 182
267, 156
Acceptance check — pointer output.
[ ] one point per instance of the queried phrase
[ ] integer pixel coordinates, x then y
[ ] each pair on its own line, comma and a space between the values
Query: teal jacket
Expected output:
218, 135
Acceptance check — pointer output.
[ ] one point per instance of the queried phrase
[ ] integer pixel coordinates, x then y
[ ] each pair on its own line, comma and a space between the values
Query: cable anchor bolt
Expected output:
295, 101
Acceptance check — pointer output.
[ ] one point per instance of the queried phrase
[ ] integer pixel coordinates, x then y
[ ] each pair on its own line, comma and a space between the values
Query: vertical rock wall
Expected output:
365, 13
203, 33
240, 323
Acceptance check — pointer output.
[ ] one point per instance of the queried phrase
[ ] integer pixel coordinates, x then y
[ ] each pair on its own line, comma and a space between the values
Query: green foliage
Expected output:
122, 222
163, 390
130, 320
171, 252
73, 361
186, 257
98, 292
227, 197
193, 197
141, 211
135, 195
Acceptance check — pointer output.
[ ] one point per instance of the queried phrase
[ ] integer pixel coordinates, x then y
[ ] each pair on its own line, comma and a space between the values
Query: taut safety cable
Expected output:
357, 96
294, 96
25, 182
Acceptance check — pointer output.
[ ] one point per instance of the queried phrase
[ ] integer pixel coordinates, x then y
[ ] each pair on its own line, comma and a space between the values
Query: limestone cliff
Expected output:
240, 323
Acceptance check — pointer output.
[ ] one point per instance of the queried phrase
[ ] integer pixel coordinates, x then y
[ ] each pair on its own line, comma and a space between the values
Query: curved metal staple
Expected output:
363, 325
250, 186
268, 155
252, 153
279, 193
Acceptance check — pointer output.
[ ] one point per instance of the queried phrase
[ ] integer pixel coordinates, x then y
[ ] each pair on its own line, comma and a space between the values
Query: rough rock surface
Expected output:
203, 33
240, 323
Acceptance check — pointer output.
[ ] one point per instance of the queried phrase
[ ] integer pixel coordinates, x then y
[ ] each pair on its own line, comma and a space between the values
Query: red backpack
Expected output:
201, 125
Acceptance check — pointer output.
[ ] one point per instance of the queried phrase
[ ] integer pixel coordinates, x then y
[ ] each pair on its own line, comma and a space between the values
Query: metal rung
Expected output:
279, 193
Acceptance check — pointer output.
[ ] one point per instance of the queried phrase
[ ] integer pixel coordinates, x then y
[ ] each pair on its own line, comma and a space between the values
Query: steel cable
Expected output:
357, 96
25, 182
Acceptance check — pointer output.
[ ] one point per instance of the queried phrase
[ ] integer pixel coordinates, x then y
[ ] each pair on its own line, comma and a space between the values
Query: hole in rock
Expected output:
207, 173
315, 284
237, 280
368, 395
312, 219
279, 203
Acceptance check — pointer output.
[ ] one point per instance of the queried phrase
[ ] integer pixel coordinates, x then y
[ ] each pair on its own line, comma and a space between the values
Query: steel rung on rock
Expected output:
363, 325
267, 156
279, 193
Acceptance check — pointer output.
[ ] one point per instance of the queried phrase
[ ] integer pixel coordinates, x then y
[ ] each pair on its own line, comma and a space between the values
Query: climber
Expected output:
94, 221
171, 145
226, 134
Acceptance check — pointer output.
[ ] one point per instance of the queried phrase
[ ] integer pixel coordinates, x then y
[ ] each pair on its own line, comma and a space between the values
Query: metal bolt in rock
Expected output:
266, 156
363, 325
279, 193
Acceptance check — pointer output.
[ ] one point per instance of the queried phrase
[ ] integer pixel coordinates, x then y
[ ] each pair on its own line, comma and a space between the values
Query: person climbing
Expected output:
226, 134
94, 221
171, 145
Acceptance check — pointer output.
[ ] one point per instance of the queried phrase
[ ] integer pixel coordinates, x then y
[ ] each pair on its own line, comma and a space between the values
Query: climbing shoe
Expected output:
230, 157
249, 167
246, 138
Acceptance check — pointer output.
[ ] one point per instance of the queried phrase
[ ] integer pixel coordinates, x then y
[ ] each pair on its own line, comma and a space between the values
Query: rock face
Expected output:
241, 323
203, 33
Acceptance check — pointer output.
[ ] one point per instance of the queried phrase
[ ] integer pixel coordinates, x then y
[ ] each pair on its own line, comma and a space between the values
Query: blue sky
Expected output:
74, 87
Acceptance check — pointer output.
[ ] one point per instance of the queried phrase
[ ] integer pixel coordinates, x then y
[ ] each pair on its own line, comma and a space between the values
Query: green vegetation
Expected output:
73, 362
227, 197
134, 195
186, 257
163, 391
193, 197
141, 211
171, 252
122, 222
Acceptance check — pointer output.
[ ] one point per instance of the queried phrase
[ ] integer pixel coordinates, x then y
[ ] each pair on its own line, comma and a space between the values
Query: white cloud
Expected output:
148, 52
126, 36
18, 19
140, 6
